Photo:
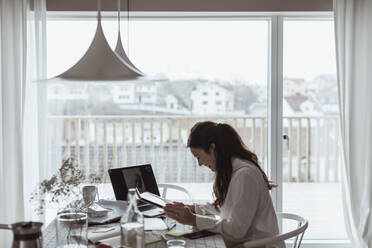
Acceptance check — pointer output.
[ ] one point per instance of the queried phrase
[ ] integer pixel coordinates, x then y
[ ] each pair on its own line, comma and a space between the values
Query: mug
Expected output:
90, 192
176, 243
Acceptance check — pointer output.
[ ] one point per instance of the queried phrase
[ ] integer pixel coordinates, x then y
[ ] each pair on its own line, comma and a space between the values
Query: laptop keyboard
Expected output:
149, 210
145, 206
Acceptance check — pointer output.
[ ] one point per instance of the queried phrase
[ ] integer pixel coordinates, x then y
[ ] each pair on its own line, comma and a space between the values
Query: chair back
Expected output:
297, 233
166, 186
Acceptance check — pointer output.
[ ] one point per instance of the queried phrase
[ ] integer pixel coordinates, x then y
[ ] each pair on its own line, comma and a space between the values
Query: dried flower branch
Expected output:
62, 186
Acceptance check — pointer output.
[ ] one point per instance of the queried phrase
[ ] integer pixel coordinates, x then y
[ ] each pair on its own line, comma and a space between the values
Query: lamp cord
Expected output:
119, 16
128, 27
99, 10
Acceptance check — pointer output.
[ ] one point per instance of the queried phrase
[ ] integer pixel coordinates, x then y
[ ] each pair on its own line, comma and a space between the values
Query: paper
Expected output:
99, 232
117, 209
115, 241
177, 233
96, 210
154, 224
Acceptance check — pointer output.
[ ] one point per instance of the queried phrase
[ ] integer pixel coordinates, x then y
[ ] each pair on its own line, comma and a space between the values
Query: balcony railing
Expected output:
310, 149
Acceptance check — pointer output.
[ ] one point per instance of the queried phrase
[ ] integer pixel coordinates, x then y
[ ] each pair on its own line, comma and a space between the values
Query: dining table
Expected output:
49, 238
159, 236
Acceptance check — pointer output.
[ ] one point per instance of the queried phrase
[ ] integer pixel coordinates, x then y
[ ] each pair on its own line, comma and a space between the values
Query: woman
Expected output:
242, 209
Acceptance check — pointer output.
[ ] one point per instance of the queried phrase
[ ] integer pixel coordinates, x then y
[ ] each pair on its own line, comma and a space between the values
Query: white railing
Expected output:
310, 154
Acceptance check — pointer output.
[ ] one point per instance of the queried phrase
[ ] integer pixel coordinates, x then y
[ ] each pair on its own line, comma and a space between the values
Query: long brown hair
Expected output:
228, 144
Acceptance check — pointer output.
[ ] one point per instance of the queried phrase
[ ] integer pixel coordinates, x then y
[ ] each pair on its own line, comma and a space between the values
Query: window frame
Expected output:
275, 78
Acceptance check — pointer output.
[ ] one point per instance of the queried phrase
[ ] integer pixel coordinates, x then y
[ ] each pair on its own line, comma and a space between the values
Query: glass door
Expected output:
216, 69
311, 152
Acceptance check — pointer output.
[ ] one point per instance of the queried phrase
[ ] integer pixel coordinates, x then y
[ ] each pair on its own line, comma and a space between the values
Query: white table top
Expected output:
49, 238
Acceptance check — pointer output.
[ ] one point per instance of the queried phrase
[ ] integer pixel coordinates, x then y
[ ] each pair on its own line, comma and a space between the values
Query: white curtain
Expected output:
35, 128
353, 27
12, 74
21, 61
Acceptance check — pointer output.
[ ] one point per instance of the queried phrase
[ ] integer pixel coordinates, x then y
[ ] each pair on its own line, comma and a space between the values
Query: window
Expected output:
311, 161
76, 91
147, 128
189, 59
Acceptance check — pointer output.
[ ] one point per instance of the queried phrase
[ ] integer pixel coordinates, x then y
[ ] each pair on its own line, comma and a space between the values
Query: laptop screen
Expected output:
140, 176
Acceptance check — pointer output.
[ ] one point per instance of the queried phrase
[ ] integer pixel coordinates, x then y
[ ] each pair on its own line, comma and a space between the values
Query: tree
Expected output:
181, 89
244, 96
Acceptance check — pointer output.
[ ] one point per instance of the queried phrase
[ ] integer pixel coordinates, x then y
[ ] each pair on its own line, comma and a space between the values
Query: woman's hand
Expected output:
181, 213
191, 207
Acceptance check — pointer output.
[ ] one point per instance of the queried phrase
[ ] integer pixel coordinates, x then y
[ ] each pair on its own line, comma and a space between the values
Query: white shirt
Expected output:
247, 212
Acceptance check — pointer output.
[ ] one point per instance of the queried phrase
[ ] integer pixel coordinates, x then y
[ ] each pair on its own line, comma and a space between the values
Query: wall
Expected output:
193, 5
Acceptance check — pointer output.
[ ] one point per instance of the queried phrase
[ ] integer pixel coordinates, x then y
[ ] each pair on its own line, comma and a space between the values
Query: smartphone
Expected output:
198, 234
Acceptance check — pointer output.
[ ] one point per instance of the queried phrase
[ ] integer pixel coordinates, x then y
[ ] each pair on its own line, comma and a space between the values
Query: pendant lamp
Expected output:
119, 50
100, 62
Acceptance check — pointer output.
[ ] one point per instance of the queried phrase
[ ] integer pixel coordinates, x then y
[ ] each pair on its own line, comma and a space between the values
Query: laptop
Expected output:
140, 177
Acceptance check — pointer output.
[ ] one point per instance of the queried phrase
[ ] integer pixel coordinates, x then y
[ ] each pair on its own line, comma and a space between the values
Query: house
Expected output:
67, 92
145, 93
294, 85
298, 104
171, 102
124, 93
139, 92
294, 104
209, 98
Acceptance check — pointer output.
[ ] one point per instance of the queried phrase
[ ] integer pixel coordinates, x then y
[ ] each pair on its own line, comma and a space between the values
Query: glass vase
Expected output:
72, 228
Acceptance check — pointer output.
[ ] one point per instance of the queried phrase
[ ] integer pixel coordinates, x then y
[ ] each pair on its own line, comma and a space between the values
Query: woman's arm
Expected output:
181, 204
205, 209
202, 209
245, 193
187, 214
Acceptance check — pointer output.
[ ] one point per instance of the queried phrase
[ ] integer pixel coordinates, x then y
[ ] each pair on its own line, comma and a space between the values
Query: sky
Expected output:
214, 50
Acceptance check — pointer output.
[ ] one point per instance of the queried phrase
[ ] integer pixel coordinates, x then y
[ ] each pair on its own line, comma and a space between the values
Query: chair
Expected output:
166, 186
298, 233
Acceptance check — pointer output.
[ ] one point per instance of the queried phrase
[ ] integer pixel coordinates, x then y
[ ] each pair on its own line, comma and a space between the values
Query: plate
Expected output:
116, 210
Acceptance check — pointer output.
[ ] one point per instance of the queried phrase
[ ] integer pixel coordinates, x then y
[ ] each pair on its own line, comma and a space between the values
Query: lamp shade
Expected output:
101, 63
